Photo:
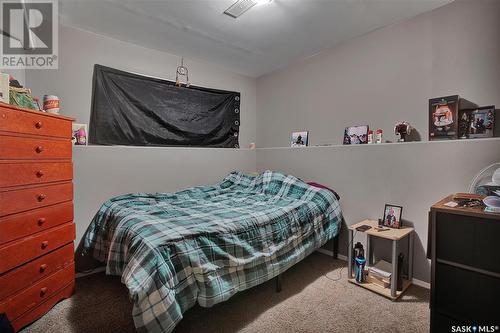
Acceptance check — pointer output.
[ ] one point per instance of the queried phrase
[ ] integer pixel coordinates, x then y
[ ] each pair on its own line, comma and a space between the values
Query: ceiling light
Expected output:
241, 6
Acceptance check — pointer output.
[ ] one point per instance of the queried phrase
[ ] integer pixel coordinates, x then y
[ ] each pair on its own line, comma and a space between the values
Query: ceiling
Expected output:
266, 38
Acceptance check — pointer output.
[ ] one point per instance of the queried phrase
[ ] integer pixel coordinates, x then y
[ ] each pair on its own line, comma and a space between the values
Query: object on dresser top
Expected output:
36, 219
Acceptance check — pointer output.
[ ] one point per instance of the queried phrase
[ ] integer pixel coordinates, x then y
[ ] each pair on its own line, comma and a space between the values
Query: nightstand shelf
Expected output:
394, 235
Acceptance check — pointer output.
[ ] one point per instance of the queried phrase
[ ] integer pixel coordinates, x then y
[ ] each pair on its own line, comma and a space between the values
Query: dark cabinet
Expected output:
465, 254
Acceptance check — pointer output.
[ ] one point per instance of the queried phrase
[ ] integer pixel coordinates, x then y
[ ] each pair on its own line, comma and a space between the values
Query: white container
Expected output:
51, 104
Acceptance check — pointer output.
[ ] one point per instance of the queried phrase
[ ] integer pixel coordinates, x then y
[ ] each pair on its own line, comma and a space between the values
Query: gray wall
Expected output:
80, 50
413, 175
385, 76
102, 172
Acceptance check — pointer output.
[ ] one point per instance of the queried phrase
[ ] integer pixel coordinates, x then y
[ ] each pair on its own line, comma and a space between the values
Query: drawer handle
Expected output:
39, 173
45, 244
39, 149
41, 197
41, 221
43, 267
43, 291
39, 125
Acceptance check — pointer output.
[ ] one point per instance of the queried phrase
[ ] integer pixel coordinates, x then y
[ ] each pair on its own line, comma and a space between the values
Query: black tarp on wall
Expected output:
134, 110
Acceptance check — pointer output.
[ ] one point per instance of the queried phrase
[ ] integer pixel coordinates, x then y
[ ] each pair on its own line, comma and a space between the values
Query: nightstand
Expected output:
395, 236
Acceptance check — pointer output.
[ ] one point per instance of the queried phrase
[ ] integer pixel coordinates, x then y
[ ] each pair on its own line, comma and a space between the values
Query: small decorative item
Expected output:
482, 122
79, 137
370, 137
51, 104
464, 124
379, 134
300, 139
392, 216
356, 135
4, 88
21, 97
443, 116
402, 129
182, 71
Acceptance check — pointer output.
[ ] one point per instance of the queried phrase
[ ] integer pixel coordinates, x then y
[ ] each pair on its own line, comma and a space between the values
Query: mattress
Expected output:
204, 244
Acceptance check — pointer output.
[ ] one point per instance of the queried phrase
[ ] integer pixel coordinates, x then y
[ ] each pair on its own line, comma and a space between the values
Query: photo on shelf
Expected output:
482, 122
356, 135
392, 216
300, 139
79, 136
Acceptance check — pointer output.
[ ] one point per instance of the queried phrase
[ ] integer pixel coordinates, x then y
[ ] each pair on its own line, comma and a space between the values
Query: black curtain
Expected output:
135, 110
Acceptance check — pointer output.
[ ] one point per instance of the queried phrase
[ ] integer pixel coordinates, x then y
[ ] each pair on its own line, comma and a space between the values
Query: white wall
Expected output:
102, 172
80, 50
385, 76
413, 175
378, 79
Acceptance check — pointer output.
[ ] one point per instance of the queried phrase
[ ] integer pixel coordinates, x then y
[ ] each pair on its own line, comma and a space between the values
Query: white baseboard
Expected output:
330, 253
416, 282
93, 271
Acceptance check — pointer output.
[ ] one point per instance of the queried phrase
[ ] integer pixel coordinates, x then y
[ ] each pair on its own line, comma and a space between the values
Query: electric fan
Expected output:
487, 181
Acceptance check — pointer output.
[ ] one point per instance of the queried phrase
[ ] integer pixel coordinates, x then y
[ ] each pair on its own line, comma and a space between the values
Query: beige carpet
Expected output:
309, 302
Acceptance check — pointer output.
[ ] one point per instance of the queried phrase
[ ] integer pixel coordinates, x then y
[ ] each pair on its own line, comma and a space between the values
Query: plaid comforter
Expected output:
204, 244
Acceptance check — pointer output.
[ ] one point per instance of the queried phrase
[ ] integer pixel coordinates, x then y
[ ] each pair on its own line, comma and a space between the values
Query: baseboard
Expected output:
416, 282
330, 253
93, 271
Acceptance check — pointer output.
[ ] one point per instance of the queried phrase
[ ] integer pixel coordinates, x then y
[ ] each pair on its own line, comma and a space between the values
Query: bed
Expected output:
204, 244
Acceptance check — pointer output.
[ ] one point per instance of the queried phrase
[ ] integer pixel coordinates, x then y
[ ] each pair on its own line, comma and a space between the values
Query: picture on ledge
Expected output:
79, 136
300, 139
356, 135
482, 122
392, 216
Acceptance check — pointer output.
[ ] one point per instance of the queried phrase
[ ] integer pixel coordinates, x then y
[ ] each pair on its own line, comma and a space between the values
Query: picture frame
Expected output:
392, 216
355, 135
482, 122
300, 139
79, 136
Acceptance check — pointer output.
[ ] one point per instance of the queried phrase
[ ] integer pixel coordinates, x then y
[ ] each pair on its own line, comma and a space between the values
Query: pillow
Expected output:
324, 187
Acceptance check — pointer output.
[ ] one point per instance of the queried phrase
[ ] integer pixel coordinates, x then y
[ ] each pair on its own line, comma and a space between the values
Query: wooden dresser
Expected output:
36, 213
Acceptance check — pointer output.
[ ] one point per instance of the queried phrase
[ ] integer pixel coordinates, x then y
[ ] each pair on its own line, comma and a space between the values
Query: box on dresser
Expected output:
36, 213
465, 272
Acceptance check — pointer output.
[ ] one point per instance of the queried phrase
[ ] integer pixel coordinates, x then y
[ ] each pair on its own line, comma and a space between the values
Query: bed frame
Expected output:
335, 256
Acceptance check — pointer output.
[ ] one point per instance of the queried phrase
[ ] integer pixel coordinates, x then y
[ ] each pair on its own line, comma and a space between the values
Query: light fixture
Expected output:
241, 6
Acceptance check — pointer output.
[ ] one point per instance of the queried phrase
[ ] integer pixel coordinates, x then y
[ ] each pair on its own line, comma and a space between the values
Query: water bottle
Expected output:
360, 269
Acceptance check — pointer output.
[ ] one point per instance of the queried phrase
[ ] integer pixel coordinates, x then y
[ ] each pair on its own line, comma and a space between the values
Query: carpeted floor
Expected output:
309, 302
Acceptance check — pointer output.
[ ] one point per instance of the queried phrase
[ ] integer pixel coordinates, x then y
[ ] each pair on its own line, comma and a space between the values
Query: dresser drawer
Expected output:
14, 174
41, 291
17, 121
15, 147
24, 276
44, 307
17, 253
15, 201
25, 224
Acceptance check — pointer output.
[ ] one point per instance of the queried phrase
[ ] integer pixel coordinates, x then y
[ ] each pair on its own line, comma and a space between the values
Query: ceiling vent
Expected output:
239, 7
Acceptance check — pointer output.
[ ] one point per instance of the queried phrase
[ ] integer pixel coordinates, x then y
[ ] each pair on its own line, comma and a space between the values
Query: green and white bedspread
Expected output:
204, 244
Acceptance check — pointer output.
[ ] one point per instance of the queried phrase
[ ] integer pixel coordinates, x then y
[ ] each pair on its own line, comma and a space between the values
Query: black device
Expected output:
363, 228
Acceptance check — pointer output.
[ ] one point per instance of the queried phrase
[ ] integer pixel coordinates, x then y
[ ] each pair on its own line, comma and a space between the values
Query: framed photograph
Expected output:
392, 216
482, 122
300, 139
79, 136
356, 135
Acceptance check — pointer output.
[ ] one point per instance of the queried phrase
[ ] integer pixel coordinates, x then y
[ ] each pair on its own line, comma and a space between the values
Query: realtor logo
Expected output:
29, 34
